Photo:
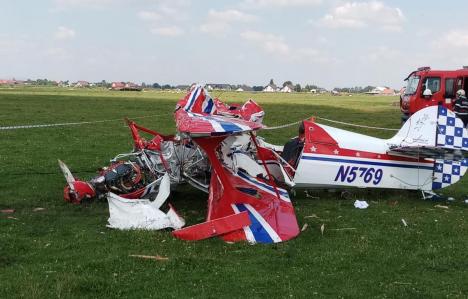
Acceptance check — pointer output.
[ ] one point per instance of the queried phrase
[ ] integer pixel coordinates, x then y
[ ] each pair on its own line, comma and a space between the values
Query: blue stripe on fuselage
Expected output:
259, 232
248, 178
366, 162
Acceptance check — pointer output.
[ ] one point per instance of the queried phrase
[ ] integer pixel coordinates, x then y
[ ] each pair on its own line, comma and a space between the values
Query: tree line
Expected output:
295, 87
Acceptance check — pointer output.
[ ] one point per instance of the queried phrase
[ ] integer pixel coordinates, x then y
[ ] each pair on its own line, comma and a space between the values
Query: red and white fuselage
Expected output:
426, 154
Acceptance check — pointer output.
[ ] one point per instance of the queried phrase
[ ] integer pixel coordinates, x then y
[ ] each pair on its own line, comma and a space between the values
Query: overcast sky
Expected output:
329, 43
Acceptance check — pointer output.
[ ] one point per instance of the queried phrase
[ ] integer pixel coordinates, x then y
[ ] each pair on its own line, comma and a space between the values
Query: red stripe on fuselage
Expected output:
319, 142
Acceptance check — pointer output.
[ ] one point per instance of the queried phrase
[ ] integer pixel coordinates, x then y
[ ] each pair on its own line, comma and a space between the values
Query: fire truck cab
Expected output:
442, 84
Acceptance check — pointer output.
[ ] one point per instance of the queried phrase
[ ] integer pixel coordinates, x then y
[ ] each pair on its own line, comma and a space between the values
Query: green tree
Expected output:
257, 88
103, 83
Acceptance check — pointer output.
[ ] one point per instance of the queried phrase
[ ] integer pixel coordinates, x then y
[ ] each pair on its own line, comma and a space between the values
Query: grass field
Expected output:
66, 251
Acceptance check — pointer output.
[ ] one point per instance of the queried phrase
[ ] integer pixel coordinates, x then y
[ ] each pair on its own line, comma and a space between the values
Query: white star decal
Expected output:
336, 152
313, 149
455, 170
446, 178
439, 167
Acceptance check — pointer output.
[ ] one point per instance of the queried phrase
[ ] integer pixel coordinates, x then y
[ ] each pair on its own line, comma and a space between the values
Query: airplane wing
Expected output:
196, 124
242, 207
197, 114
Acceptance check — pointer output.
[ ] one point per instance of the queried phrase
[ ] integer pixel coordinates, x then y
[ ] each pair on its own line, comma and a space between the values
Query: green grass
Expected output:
66, 251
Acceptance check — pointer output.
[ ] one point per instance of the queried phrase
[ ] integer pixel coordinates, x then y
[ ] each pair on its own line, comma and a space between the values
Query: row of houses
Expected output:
273, 88
130, 86
289, 88
11, 82
114, 86
268, 88
382, 90
228, 87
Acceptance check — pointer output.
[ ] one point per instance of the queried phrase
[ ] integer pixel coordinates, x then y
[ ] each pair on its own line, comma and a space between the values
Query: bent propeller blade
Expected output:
67, 174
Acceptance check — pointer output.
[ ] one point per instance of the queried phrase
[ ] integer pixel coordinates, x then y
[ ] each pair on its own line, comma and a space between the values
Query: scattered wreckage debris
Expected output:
217, 150
150, 257
441, 207
404, 222
361, 204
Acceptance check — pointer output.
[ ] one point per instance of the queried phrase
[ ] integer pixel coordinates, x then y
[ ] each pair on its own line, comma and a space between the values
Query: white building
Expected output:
287, 88
381, 90
270, 88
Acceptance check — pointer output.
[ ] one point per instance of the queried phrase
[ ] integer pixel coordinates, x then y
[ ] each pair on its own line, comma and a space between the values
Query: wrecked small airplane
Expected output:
217, 150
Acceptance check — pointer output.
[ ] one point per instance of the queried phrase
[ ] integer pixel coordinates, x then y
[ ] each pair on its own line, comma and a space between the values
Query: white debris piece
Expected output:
361, 204
142, 213
404, 222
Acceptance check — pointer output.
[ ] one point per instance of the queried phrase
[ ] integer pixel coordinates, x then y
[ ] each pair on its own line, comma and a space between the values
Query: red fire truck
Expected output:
442, 84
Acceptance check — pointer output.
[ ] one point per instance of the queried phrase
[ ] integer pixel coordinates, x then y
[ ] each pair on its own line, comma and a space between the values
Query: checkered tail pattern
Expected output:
451, 135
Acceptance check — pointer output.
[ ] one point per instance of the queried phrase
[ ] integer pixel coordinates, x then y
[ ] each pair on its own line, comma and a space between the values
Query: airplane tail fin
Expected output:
448, 172
435, 133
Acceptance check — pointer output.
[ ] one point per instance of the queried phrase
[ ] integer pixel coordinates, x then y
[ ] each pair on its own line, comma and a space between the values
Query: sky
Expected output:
326, 43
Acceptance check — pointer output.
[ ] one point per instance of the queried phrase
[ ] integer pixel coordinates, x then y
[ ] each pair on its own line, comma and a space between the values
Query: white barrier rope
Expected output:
72, 123
332, 121
354, 125
282, 126
155, 115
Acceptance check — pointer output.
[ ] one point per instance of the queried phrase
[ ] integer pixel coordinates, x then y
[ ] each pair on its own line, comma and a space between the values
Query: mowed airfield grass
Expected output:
66, 250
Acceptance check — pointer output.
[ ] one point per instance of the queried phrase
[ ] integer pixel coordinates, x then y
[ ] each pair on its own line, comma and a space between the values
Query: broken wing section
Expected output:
143, 213
235, 195
270, 210
197, 114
